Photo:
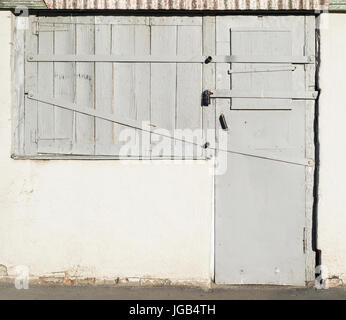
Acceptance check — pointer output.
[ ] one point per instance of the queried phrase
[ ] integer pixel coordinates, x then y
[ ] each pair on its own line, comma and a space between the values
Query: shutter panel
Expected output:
165, 94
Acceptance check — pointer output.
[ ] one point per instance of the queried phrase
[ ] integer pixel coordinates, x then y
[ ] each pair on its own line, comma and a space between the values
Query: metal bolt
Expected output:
206, 145
208, 60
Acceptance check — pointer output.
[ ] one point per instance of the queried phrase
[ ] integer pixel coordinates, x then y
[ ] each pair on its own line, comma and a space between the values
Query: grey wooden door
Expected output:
263, 200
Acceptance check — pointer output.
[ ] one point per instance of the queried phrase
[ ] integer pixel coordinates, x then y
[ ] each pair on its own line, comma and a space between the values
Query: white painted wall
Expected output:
111, 218
332, 186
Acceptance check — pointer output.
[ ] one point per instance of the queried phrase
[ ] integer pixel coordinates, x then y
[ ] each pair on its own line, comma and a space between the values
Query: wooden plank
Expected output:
63, 104
64, 83
31, 46
209, 77
123, 42
30, 4
121, 20
163, 84
224, 93
175, 21
169, 58
103, 90
142, 86
85, 125
189, 88
45, 88
18, 134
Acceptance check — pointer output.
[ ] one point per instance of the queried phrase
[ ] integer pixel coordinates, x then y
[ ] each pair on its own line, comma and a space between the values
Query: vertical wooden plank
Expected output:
18, 135
45, 112
224, 46
84, 125
189, 88
124, 106
142, 85
64, 83
208, 113
103, 89
128, 94
163, 84
209, 73
31, 46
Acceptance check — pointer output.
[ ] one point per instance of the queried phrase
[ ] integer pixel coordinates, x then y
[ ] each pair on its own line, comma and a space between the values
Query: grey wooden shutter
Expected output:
70, 99
263, 200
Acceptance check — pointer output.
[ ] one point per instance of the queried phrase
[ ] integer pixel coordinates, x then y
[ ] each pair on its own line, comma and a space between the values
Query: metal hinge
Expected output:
304, 240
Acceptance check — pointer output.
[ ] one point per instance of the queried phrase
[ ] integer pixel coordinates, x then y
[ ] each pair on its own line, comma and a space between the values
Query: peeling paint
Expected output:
3, 271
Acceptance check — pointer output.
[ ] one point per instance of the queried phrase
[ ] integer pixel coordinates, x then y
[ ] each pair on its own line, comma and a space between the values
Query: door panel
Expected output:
260, 200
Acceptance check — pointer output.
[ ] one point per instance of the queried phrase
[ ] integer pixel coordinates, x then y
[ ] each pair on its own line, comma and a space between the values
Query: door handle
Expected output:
223, 122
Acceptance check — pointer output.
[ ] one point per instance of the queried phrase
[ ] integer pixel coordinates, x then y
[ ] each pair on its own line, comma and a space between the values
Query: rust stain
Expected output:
189, 4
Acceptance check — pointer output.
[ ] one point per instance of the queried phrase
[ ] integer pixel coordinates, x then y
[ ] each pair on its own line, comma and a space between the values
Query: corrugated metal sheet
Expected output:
189, 4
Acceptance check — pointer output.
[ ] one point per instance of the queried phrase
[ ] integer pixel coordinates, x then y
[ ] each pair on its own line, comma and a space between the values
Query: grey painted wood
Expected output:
45, 87
188, 113
142, 92
62, 80
163, 76
30, 120
31, 4
104, 116
18, 133
261, 204
103, 90
124, 104
265, 94
169, 58
209, 77
85, 82
125, 89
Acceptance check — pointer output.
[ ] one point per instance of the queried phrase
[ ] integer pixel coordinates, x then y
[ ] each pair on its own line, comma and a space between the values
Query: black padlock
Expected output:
206, 98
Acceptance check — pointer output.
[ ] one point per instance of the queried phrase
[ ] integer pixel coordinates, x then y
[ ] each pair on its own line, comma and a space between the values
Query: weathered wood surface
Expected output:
30, 4
166, 94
